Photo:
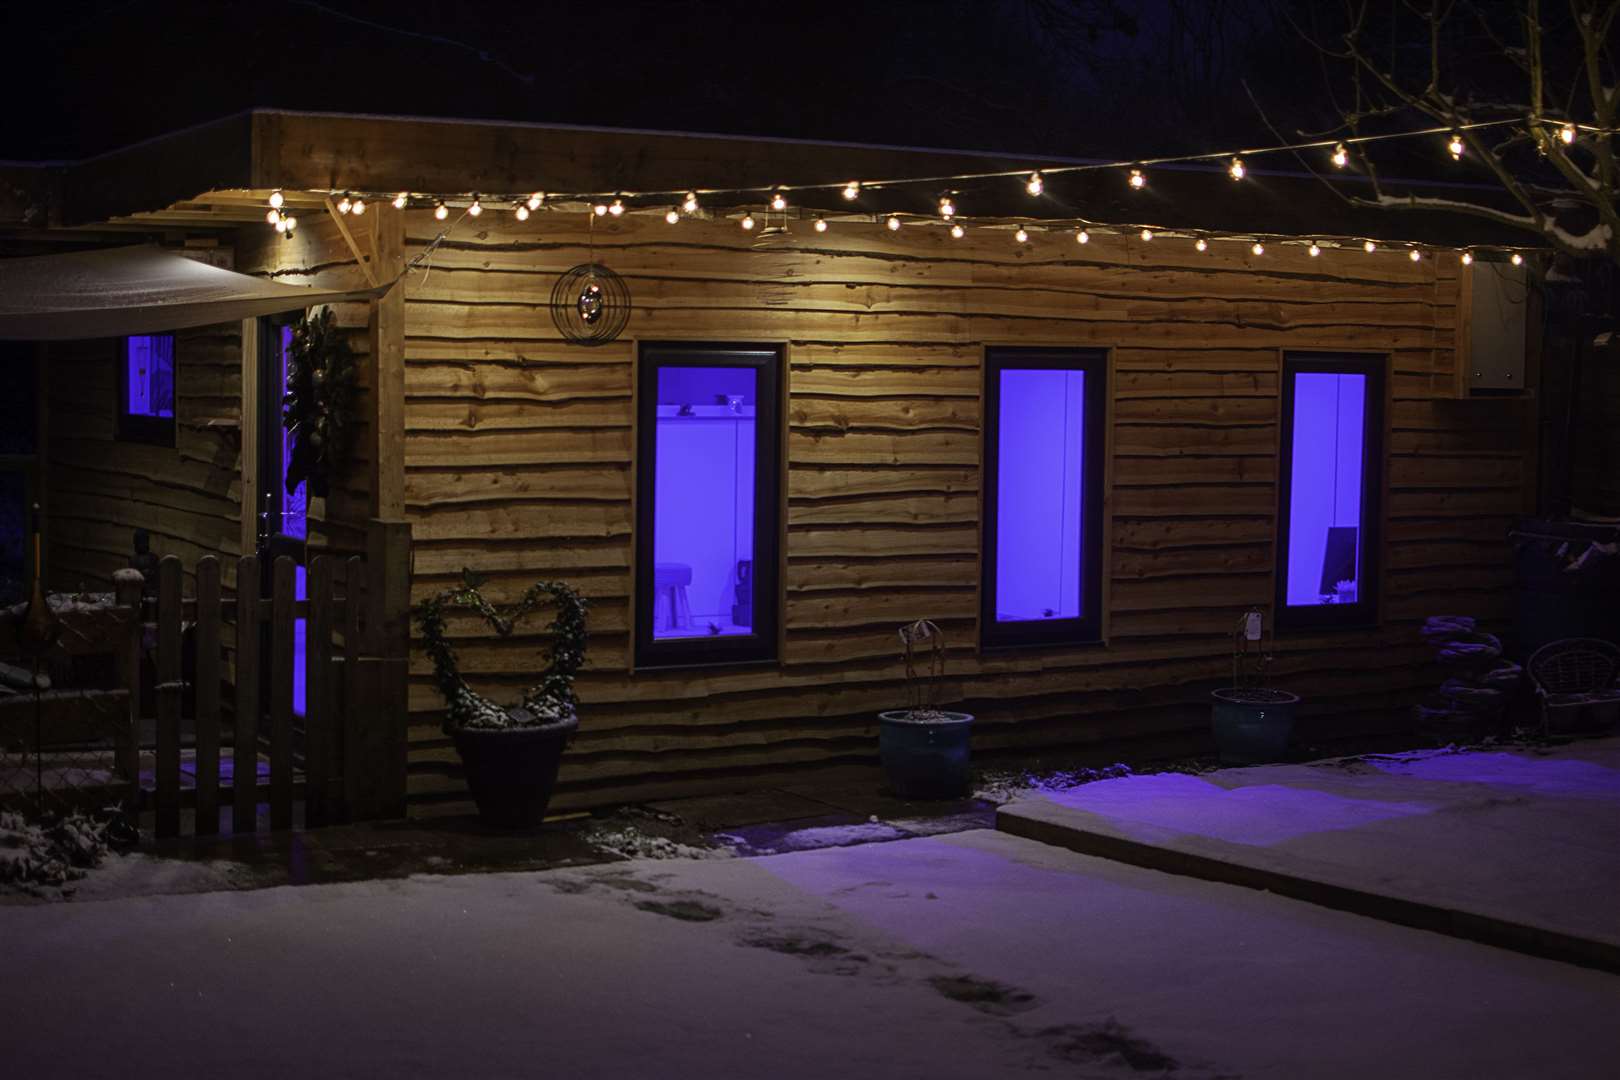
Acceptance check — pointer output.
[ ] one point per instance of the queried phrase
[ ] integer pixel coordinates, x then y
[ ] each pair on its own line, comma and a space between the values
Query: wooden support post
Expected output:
319, 736
281, 693
249, 462
245, 748
387, 341
129, 585
168, 698
384, 665
354, 710
207, 696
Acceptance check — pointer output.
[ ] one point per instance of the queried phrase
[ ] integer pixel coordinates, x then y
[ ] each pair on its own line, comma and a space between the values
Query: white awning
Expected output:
137, 290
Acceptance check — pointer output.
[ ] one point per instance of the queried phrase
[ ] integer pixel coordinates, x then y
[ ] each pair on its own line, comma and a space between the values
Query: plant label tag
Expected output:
1251, 626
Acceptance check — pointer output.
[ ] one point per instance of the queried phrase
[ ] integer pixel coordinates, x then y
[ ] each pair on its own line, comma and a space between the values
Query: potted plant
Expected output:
510, 752
1252, 722
925, 749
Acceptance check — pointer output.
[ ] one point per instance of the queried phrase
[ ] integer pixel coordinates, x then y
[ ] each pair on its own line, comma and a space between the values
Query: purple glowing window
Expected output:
1325, 488
1040, 494
703, 502
149, 376
295, 503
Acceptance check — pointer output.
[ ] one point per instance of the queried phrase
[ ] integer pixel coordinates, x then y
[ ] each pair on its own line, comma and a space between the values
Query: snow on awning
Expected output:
137, 290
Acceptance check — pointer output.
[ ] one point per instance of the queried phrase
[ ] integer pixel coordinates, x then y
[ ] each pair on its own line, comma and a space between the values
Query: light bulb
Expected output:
1022, 236
672, 216
273, 216
946, 208
1036, 185
281, 225
1147, 234
522, 211
778, 200
852, 190
821, 224
1369, 247
536, 199
748, 222
617, 208
345, 205
957, 232
1313, 251
476, 207
1201, 244
1259, 248
600, 209
441, 211
1341, 156
1454, 146
359, 206
1082, 237
1567, 133
275, 199
400, 200
1236, 170
291, 223
1415, 255
1517, 260
1138, 181
690, 203
894, 223
1468, 258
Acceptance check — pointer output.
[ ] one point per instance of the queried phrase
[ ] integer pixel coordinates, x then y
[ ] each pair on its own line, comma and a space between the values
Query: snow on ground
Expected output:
973, 955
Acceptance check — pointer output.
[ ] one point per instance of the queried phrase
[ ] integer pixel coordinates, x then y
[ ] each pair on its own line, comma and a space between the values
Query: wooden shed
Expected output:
886, 423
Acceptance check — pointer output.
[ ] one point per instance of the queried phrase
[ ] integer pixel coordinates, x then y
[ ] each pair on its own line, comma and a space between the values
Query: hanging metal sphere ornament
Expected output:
590, 304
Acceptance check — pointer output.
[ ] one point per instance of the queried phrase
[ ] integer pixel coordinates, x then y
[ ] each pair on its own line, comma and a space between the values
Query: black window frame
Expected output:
1088, 628
152, 430
1365, 612
761, 646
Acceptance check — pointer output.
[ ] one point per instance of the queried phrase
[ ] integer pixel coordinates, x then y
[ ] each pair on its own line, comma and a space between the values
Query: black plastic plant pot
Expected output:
513, 771
1253, 725
926, 758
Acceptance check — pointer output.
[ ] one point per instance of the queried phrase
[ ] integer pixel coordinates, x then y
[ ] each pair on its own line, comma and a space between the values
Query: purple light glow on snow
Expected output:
1325, 481
1040, 489
703, 502
150, 373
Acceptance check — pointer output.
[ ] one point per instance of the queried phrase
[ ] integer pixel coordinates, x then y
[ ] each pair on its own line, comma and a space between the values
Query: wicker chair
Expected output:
1575, 683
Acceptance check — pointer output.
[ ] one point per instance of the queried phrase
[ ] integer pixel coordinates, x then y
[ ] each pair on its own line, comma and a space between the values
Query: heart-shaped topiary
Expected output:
550, 699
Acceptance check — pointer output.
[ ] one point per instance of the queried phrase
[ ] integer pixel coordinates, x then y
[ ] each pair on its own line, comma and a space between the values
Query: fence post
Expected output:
354, 717
387, 651
245, 740
129, 585
319, 748
206, 709
168, 698
281, 692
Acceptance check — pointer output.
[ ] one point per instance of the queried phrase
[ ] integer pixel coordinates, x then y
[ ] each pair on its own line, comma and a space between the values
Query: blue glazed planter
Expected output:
1253, 726
926, 759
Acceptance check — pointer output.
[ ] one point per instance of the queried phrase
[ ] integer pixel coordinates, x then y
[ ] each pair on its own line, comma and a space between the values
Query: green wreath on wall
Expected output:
550, 699
318, 409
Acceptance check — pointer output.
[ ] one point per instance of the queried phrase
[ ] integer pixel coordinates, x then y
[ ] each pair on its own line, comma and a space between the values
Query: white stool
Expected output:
671, 610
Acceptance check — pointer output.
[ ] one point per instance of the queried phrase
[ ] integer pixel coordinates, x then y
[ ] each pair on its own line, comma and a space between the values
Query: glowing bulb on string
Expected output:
1201, 244
273, 216
1313, 251
345, 205
400, 200
1415, 255
821, 224
1022, 236
1341, 156
1369, 247
522, 211
1567, 133
1236, 170
690, 203
1259, 248
779, 200
291, 223
1468, 258
894, 223
276, 199
281, 225
1082, 237
852, 190
600, 209
1138, 181
441, 211
672, 216
957, 232
1517, 260
947, 209
1036, 184
617, 208
536, 199
1147, 234
747, 222
359, 206
476, 207
1454, 146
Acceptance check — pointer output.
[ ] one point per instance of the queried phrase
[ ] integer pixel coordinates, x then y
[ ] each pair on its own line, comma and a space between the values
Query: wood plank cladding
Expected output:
518, 456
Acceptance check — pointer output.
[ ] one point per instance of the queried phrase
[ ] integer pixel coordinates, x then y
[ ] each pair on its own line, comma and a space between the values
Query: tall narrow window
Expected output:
1043, 481
146, 389
708, 451
1330, 475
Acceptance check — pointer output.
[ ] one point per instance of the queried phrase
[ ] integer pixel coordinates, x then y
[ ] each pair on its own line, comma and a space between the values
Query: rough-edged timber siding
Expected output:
101, 489
518, 456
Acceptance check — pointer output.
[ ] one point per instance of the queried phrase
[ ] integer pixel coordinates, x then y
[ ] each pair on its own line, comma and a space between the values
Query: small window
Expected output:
1330, 478
146, 389
1043, 488
707, 458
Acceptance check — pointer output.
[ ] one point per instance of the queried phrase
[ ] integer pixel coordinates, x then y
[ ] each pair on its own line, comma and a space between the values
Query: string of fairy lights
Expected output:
678, 204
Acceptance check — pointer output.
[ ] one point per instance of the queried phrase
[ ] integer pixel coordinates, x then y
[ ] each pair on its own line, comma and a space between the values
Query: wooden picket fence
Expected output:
243, 682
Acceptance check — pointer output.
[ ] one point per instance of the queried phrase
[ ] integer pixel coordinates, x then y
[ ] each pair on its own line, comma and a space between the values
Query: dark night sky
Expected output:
1054, 77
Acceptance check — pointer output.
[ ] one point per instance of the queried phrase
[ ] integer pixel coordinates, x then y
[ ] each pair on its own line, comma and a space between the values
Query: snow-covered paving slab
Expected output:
1519, 847
973, 955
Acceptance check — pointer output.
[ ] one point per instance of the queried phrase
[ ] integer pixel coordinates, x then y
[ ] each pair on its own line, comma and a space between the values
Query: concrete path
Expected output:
1518, 848
972, 955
